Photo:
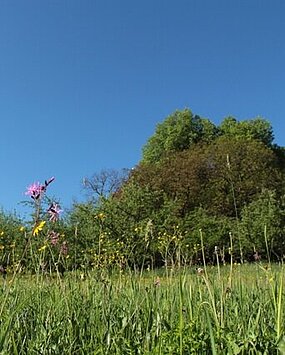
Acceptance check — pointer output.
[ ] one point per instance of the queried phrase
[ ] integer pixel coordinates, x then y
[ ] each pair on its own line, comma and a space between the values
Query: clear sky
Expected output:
83, 83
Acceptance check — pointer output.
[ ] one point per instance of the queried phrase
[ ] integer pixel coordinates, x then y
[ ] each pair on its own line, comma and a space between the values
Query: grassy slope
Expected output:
238, 312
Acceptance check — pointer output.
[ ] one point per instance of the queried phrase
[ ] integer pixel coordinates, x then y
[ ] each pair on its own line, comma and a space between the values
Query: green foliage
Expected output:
182, 129
12, 239
238, 170
262, 222
215, 230
130, 218
257, 128
178, 132
84, 233
221, 176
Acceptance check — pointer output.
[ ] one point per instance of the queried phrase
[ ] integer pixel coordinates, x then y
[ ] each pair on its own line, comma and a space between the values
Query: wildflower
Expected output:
35, 190
54, 211
64, 248
54, 237
101, 215
1, 233
22, 229
42, 248
38, 228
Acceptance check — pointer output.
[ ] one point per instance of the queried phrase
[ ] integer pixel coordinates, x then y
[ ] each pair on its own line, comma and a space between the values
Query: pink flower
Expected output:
54, 212
54, 237
35, 190
64, 248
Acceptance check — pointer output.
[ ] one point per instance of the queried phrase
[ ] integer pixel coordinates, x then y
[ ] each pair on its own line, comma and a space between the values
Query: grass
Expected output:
226, 311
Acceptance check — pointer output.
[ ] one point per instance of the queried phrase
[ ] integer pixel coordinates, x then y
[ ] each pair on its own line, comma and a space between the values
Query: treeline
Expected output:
196, 181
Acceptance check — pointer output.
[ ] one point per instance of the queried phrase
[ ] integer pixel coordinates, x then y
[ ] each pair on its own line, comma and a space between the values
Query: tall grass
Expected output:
133, 313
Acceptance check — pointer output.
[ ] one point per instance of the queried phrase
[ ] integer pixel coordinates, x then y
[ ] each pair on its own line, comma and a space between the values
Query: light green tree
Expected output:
257, 128
178, 132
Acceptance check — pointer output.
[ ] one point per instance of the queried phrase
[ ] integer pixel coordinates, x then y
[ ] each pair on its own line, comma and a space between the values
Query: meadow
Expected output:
181, 255
232, 309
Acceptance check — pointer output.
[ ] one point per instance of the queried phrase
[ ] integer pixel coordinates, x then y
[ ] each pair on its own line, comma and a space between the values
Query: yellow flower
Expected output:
42, 248
1, 233
22, 229
38, 228
101, 215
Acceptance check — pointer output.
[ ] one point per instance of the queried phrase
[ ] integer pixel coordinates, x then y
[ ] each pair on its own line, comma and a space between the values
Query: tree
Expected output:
178, 132
221, 177
239, 169
257, 128
261, 224
104, 183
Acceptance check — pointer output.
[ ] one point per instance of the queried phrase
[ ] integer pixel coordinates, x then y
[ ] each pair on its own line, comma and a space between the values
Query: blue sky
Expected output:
84, 83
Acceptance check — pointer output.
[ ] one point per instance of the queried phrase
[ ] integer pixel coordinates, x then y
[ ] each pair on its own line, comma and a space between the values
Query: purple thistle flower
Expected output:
54, 212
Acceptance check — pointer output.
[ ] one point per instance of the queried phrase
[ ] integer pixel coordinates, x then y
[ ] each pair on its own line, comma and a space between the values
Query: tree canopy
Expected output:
257, 129
181, 130
178, 132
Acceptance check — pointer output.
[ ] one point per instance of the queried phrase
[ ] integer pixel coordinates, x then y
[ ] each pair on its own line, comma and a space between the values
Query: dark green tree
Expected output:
221, 177
239, 169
